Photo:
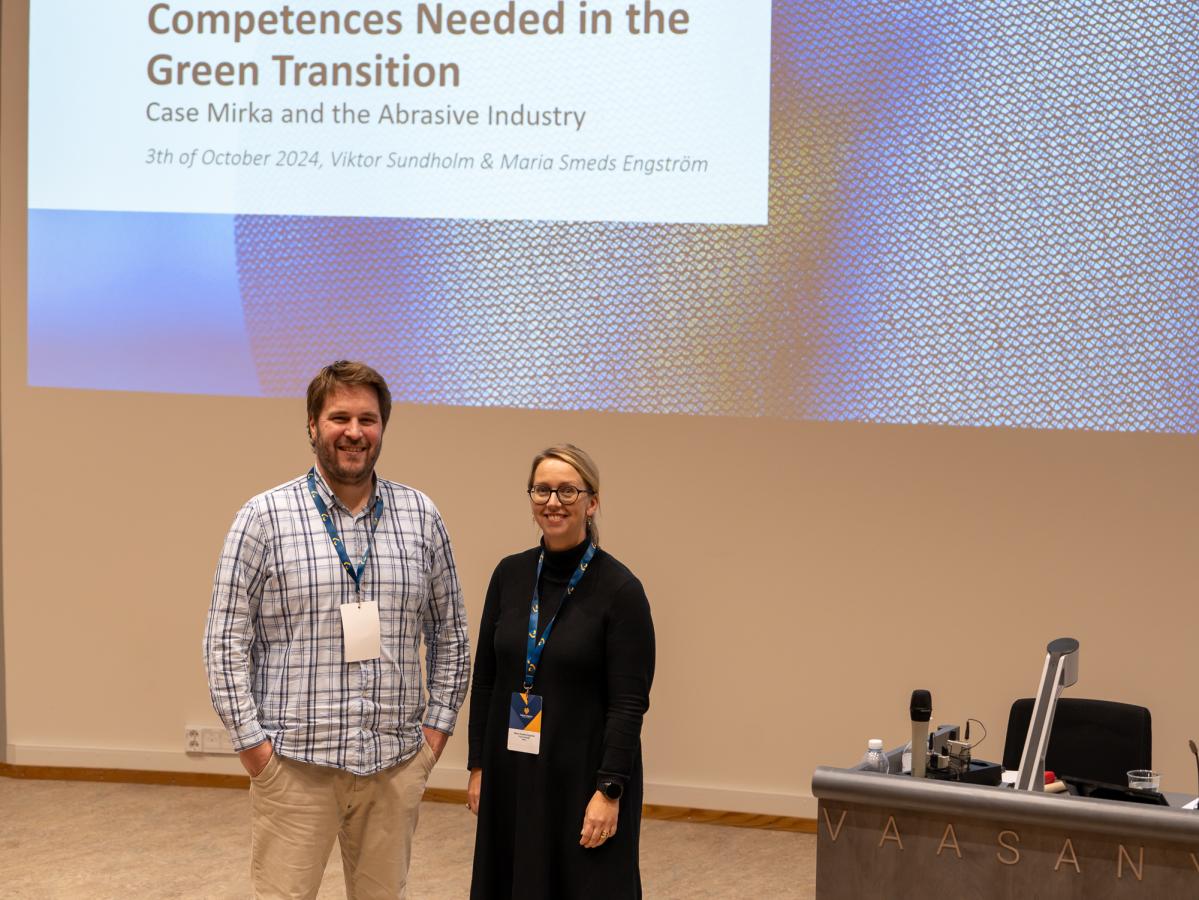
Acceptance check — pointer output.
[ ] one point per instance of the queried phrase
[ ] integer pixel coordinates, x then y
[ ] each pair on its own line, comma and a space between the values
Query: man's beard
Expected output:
327, 457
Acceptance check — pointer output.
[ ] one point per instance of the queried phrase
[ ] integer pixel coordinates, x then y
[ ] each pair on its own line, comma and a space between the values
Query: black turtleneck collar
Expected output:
562, 563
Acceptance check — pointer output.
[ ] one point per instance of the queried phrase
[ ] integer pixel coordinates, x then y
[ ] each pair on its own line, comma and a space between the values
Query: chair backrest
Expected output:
1094, 739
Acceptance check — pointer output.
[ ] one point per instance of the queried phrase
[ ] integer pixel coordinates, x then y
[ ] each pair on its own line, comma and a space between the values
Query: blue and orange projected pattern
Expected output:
980, 214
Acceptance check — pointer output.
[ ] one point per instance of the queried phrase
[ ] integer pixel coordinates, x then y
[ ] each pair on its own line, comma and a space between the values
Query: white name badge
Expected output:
524, 741
360, 630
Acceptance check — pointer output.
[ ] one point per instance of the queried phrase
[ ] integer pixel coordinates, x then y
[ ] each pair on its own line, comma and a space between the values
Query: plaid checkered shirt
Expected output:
273, 643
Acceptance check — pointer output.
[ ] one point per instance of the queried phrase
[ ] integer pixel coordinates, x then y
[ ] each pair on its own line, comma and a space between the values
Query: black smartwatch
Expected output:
611, 789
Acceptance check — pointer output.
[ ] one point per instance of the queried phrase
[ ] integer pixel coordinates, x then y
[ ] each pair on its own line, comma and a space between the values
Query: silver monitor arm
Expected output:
1061, 671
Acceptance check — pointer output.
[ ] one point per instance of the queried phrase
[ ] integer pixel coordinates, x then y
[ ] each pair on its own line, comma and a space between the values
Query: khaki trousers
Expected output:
298, 809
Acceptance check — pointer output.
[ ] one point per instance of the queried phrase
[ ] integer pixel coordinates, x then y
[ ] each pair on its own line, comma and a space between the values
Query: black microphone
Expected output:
921, 709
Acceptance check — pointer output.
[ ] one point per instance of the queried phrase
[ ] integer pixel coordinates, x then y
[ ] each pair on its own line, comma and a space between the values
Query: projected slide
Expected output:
867, 212
531, 111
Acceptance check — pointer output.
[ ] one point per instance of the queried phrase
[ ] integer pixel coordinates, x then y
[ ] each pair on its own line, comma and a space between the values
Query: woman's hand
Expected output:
473, 788
599, 821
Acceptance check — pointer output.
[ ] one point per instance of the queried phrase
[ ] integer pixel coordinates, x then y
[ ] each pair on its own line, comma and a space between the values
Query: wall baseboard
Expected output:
80, 764
123, 776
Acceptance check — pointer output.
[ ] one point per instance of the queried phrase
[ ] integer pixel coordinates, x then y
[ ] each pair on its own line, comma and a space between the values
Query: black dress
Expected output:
594, 680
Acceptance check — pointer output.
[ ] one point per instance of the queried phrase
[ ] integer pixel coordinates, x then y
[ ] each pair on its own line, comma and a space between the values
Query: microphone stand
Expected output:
1195, 750
1061, 671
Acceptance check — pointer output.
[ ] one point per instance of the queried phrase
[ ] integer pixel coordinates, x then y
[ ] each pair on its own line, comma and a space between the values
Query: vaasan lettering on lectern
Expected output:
1127, 859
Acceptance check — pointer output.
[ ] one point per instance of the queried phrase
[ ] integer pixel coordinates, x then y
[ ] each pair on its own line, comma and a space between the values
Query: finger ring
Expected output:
604, 834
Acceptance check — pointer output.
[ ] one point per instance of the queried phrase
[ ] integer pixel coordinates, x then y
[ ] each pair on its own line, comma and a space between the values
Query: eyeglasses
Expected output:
567, 493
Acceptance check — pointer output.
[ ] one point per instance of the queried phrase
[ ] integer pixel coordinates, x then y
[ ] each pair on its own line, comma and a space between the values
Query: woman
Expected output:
560, 808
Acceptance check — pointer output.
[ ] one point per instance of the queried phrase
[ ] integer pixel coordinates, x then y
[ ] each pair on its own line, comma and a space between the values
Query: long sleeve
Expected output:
447, 643
483, 683
629, 649
236, 593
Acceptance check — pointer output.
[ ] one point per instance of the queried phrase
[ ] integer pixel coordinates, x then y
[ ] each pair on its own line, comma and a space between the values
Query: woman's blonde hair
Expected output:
578, 460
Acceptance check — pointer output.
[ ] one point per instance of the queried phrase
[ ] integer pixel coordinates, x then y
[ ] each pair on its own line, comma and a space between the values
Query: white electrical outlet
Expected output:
207, 739
192, 742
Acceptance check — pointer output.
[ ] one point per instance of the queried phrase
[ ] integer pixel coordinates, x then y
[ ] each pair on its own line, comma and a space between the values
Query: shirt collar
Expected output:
331, 499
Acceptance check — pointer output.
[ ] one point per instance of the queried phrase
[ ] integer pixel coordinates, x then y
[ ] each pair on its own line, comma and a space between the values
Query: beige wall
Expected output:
805, 577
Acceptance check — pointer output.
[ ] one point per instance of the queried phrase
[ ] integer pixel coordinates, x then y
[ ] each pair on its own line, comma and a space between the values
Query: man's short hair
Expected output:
341, 373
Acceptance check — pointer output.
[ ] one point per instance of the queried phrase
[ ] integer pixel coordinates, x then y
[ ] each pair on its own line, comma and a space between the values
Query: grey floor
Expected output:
72, 840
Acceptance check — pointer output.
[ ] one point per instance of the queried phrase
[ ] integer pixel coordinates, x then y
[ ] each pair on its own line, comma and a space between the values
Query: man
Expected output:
324, 589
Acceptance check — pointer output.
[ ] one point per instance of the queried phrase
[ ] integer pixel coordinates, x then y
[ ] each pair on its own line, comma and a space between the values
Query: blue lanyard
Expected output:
535, 646
376, 514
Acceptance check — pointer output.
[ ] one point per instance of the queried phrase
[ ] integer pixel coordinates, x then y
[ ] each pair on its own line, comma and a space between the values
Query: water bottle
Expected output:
875, 759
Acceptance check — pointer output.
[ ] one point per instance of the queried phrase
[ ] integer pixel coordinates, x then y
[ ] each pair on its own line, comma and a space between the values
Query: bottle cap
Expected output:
875, 744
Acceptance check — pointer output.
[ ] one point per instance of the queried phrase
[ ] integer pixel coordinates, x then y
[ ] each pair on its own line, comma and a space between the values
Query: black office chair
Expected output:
1093, 739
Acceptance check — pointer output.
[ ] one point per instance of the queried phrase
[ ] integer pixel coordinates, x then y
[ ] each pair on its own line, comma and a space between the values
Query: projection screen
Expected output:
976, 215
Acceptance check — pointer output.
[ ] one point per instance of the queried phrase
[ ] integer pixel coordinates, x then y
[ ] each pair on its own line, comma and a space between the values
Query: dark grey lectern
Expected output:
891, 836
